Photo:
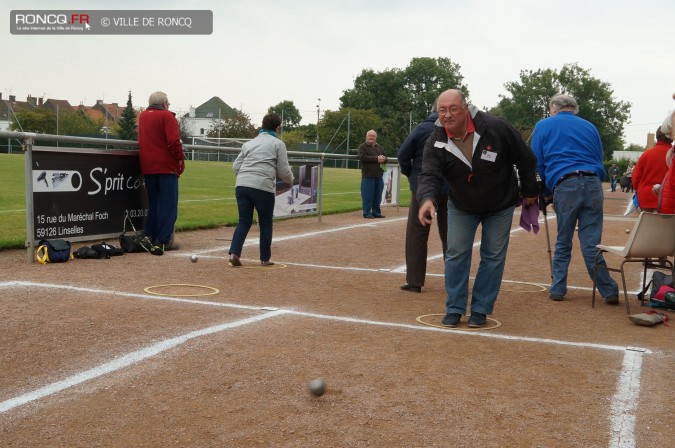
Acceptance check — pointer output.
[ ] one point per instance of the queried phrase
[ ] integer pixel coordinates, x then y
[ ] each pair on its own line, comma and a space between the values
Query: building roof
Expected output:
214, 108
60, 105
95, 114
15, 106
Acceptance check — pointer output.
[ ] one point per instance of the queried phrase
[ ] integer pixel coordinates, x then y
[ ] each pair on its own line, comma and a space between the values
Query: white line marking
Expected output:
463, 332
253, 241
129, 294
403, 268
624, 402
126, 361
623, 406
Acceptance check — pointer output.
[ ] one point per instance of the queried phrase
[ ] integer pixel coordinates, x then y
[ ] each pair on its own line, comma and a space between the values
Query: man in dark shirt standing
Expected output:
372, 158
417, 235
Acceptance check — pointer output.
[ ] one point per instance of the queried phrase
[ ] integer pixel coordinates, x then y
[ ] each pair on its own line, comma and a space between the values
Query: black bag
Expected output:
136, 242
108, 250
87, 253
53, 251
658, 280
131, 243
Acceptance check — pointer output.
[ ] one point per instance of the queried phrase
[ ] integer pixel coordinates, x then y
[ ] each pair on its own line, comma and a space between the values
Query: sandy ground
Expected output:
90, 358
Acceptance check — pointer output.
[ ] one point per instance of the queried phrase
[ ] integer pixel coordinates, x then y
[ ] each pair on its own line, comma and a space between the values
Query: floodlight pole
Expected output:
318, 110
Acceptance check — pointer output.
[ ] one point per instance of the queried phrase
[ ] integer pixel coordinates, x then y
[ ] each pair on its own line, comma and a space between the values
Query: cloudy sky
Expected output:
266, 51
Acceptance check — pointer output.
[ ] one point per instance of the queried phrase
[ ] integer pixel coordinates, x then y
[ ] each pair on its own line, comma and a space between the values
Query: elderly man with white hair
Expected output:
569, 161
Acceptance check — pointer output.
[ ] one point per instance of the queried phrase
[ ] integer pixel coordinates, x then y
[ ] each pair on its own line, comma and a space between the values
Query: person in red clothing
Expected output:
160, 151
649, 170
668, 187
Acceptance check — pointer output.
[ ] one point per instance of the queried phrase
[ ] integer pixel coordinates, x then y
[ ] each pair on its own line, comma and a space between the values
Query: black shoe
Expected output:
451, 320
148, 245
379, 216
477, 320
556, 298
234, 261
368, 216
156, 250
612, 300
411, 288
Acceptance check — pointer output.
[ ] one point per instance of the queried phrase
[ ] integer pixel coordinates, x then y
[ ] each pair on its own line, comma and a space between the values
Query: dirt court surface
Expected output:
89, 358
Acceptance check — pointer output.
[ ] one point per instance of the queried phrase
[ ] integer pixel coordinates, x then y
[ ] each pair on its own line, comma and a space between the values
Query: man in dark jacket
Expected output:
160, 151
475, 152
417, 235
372, 158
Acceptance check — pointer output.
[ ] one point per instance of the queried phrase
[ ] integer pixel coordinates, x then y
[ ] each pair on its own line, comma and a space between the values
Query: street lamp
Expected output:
318, 111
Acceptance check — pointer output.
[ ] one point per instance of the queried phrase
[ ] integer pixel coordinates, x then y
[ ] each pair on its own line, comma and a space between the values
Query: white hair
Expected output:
158, 98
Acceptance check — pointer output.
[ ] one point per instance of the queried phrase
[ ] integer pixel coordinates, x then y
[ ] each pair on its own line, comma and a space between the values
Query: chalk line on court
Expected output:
254, 241
623, 405
624, 402
126, 361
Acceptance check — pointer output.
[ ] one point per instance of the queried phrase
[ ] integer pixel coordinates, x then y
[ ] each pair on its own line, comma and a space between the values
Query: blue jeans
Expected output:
162, 192
371, 195
263, 201
579, 200
494, 243
613, 183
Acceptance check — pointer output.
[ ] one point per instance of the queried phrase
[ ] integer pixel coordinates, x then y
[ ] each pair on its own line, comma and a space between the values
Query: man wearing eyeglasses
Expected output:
475, 152
160, 151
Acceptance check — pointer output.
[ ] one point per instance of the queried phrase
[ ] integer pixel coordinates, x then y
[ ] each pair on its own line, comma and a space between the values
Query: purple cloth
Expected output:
529, 217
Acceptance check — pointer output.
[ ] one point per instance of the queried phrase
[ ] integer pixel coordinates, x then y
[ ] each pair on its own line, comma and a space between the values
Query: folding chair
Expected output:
651, 242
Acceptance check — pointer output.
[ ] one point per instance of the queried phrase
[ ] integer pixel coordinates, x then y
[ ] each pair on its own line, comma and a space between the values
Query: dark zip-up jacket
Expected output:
370, 167
487, 186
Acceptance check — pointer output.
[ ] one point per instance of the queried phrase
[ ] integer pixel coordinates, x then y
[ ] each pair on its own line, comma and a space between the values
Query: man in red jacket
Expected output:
668, 187
650, 170
162, 162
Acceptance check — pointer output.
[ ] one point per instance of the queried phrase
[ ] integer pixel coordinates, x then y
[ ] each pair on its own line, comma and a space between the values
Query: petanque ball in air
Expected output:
317, 387
194, 258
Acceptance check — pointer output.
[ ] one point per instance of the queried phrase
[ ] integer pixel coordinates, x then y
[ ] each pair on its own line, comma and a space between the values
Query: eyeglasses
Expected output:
454, 110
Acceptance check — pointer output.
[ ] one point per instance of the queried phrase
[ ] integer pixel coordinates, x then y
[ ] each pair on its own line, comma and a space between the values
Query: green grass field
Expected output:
206, 196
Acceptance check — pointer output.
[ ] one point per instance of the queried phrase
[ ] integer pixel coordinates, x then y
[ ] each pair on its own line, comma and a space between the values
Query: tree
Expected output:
308, 132
333, 128
529, 99
41, 121
237, 125
402, 98
128, 129
185, 124
293, 139
635, 147
426, 78
79, 123
290, 115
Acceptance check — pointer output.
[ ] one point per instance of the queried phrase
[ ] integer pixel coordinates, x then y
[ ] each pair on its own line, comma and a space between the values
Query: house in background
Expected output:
9, 106
58, 106
199, 120
106, 113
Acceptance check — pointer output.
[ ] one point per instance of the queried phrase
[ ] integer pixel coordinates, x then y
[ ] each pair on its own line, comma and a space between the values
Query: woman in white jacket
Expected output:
258, 165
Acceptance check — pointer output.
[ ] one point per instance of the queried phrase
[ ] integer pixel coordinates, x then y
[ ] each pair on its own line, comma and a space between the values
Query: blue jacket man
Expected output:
569, 161
417, 235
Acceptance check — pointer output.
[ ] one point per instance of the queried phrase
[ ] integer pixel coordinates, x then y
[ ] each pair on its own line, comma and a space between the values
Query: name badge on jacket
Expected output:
488, 155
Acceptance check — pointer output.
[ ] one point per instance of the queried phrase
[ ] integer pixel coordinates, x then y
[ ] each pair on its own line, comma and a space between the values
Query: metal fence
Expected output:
24, 142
